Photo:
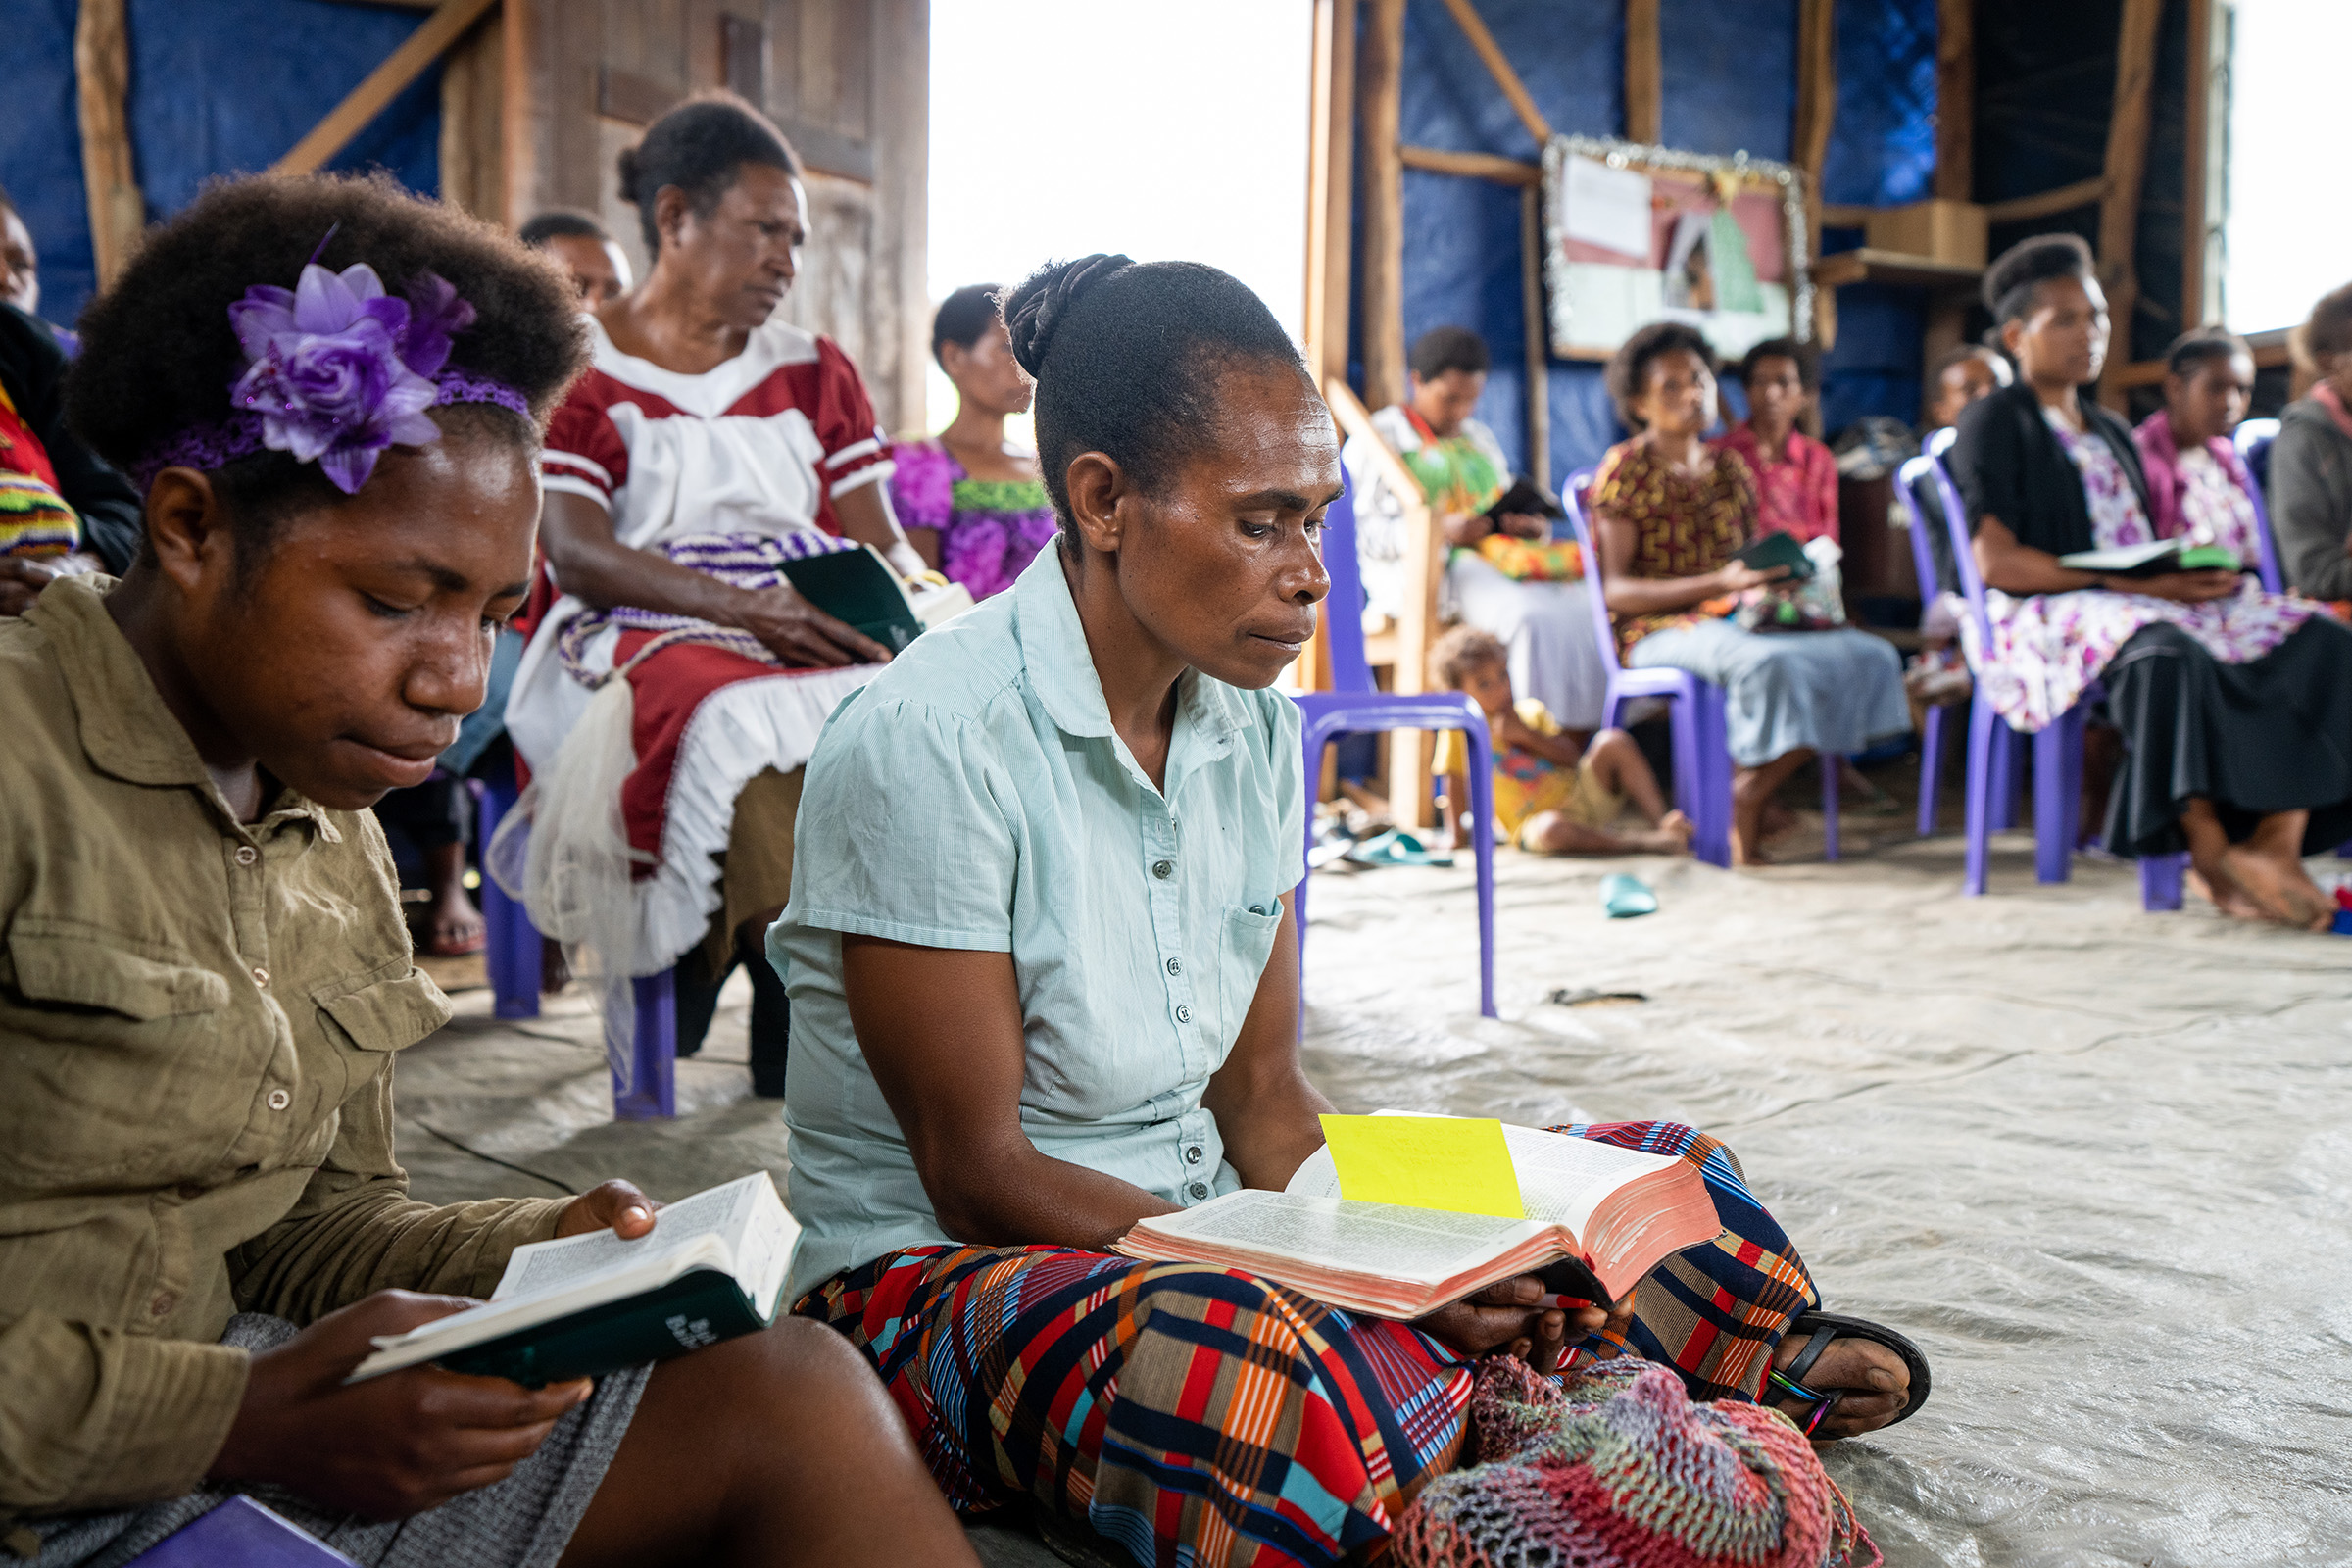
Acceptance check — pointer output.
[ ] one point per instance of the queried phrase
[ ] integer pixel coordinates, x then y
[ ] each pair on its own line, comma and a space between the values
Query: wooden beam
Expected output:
102, 73
1537, 335
2064, 199
1500, 68
1379, 84
1957, 100
1834, 216
1331, 188
1644, 72
473, 131
1816, 112
519, 111
1477, 165
2207, 145
2127, 164
447, 24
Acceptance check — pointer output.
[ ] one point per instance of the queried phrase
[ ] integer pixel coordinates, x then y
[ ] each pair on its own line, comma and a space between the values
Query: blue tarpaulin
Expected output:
1730, 86
224, 87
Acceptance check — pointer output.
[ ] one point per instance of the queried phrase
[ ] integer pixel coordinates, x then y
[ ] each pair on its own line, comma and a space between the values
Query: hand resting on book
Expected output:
1504, 1318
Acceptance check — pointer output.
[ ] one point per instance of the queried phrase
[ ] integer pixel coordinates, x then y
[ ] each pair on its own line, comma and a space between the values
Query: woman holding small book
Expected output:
2235, 703
1670, 517
1062, 996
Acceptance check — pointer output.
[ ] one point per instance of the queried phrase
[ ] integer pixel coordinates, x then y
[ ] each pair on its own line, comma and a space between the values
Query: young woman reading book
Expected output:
206, 978
1062, 996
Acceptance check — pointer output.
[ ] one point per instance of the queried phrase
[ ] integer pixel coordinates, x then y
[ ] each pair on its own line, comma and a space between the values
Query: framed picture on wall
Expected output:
1634, 234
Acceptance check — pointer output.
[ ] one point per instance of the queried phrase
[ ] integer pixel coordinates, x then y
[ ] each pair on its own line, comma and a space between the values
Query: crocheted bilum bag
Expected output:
1620, 1469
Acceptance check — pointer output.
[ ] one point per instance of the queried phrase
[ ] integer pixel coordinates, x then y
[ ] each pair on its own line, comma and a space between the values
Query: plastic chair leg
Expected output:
2160, 882
651, 1090
1715, 774
1830, 765
1481, 841
1931, 768
2008, 768
2053, 812
512, 947
1984, 728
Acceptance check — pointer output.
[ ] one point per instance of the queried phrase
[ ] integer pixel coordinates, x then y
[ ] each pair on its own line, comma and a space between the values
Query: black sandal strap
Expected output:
1825, 1326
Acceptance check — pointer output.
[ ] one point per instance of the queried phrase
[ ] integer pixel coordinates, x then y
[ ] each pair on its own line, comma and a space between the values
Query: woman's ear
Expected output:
1097, 487
2013, 337
672, 210
188, 531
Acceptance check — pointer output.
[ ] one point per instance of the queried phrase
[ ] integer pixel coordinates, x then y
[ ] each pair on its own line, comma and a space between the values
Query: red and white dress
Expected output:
755, 450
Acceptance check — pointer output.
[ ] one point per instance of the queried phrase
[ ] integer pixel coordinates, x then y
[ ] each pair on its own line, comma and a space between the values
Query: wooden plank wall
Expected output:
848, 80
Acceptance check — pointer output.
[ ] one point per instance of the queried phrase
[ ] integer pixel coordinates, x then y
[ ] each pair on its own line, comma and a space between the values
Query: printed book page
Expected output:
1425, 1246
720, 1211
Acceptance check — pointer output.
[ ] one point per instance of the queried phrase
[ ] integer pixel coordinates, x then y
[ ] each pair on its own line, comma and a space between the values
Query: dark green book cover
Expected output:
700, 1307
858, 587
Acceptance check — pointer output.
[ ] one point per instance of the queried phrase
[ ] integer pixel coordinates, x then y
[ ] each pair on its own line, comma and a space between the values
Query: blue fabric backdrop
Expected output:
1729, 85
222, 87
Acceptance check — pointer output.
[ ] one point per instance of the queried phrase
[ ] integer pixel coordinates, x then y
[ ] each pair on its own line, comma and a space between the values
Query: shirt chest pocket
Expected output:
115, 1051
1246, 943
373, 1012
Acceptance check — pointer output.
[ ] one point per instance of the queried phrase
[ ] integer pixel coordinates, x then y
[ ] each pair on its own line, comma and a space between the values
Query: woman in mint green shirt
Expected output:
1043, 980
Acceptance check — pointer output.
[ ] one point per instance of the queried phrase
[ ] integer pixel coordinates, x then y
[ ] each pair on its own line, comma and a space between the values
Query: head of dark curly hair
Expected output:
157, 353
2014, 279
1126, 357
698, 147
1628, 372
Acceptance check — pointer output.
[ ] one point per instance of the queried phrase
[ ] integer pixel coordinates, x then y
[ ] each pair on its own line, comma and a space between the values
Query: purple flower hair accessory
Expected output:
333, 366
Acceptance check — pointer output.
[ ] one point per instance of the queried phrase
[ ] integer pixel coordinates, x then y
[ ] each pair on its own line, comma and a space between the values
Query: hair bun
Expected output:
628, 163
1038, 306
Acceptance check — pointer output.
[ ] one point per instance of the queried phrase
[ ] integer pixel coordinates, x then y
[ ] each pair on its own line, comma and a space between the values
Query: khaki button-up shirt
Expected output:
197, 1022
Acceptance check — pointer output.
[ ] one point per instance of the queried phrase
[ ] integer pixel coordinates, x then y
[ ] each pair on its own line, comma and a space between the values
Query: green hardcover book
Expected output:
712, 1268
859, 587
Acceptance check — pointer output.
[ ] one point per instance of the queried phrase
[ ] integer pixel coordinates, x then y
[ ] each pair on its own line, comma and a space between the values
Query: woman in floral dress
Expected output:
2236, 705
970, 499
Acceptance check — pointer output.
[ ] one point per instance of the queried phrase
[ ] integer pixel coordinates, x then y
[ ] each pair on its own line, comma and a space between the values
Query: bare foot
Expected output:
1681, 827
1775, 820
2223, 893
1875, 1383
2279, 887
455, 925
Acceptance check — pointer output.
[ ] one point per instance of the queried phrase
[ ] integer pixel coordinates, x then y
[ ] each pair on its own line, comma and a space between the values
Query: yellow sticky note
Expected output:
1457, 1163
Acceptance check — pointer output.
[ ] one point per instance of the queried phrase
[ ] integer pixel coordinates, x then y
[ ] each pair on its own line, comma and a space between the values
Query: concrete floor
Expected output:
2095, 1161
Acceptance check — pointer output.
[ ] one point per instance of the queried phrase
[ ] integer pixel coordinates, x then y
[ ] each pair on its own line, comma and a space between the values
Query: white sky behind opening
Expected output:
1060, 128
2289, 227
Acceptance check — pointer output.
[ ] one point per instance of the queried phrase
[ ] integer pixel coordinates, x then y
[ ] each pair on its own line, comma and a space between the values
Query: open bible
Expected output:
859, 587
2153, 558
1597, 1218
583, 1306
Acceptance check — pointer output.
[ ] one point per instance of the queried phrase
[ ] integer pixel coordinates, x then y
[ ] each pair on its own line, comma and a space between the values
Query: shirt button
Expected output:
1175, 966
279, 1100
1164, 869
261, 976
1192, 1155
1198, 1189
1183, 1015
163, 1304
247, 855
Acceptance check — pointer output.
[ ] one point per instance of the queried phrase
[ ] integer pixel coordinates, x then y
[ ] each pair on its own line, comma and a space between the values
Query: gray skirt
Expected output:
525, 1521
1832, 691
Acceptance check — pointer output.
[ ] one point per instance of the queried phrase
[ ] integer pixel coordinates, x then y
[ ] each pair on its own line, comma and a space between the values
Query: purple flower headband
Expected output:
337, 370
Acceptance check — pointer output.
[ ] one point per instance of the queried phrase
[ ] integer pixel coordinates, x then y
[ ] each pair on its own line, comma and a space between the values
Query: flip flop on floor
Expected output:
1824, 1328
1395, 846
1623, 897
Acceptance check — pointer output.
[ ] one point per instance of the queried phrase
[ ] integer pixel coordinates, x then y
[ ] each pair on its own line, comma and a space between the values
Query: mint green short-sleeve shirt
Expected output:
974, 795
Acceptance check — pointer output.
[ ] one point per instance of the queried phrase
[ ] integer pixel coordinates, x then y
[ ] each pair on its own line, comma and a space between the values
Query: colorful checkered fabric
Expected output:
1203, 1416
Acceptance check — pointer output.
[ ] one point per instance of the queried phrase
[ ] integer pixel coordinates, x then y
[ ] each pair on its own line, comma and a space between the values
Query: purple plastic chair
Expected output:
513, 955
1356, 707
2057, 750
2008, 760
2253, 440
1702, 757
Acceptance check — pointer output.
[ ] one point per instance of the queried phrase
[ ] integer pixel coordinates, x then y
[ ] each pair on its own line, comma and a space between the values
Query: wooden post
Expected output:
519, 110
472, 122
2126, 164
1957, 100
1330, 187
1499, 65
363, 103
1537, 335
102, 68
1644, 72
1816, 112
1379, 82
2207, 143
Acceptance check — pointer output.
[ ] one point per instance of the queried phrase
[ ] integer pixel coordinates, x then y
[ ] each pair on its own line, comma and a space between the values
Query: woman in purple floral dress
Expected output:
970, 500
2236, 705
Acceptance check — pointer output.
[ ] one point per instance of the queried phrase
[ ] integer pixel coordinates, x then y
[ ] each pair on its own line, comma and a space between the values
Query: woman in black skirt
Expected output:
2236, 705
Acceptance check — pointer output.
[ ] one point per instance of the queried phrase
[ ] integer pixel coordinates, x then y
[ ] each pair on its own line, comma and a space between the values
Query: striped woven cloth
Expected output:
1203, 1417
753, 561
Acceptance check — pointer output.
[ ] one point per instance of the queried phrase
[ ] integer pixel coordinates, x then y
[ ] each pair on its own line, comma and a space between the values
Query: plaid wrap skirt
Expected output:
1203, 1417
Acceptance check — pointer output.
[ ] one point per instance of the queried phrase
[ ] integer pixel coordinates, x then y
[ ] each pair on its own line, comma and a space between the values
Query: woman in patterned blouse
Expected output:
1671, 514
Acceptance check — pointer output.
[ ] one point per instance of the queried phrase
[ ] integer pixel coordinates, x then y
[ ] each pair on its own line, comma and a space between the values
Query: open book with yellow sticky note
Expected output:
1399, 1214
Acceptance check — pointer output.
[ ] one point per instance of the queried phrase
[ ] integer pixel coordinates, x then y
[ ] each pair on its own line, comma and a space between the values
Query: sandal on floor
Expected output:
1395, 846
1824, 1329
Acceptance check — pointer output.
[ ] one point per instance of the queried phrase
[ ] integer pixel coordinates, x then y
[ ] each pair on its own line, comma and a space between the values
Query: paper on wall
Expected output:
1606, 207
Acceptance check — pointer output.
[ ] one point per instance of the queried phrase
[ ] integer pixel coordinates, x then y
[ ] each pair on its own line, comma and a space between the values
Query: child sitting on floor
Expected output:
1554, 793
